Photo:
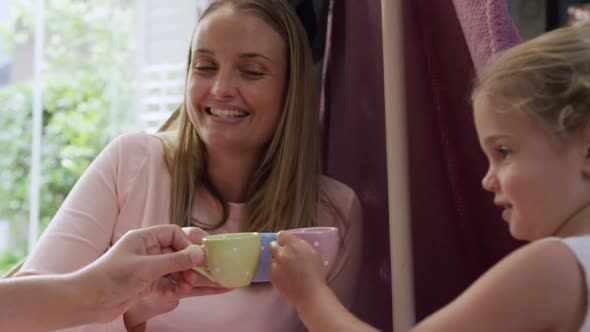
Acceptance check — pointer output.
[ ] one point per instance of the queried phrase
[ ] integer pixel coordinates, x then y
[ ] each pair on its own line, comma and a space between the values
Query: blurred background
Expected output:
533, 17
76, 73
99, 68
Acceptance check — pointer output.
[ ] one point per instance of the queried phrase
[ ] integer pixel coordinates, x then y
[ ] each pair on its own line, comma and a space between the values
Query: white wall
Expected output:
164, 36
4, 57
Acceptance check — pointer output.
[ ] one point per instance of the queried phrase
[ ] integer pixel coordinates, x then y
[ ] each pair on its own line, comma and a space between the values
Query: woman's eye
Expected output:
253, 73
204, 68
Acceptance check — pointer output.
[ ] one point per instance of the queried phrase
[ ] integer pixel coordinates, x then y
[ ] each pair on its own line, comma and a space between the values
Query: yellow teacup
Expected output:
232, 258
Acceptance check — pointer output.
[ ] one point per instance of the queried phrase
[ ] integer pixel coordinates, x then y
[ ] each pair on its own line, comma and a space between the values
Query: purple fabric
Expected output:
354, 140
457, 233
487, 27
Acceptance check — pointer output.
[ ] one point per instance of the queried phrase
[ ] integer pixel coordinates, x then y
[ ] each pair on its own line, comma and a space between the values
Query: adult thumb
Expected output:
163, 264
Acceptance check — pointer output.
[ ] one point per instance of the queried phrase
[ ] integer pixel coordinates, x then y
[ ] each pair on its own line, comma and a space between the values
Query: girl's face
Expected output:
537, 181
236, 80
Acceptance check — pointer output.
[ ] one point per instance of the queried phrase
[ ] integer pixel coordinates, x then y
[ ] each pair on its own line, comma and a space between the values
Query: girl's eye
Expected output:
503, 151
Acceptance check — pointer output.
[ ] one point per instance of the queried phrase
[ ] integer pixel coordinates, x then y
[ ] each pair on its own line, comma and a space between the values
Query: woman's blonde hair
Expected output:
283, 192
548, 77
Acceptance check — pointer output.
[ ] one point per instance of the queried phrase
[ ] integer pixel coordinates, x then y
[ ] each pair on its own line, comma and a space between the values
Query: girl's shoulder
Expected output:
538, 287
546, 261
545, 277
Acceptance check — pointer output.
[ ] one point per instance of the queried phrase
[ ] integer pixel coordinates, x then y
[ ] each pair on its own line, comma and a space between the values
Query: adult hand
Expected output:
165, 294
295, 268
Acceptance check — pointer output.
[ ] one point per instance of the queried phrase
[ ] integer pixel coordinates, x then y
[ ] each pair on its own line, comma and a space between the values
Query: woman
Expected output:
240, 154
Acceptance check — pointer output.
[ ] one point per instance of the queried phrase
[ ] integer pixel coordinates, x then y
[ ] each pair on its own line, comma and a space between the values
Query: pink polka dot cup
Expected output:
325, 240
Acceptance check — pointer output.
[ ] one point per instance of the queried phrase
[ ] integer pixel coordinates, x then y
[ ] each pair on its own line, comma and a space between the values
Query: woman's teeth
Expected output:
226, 113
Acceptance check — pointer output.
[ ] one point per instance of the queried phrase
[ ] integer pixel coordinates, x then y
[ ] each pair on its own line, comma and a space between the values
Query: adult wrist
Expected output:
82, 297
133, 320
138, 328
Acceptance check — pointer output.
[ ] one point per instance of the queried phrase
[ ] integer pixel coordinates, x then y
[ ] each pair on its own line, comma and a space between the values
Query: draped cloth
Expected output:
457, 233
487, 27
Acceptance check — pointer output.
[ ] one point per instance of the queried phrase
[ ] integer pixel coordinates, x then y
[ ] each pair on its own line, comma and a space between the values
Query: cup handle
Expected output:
203, 270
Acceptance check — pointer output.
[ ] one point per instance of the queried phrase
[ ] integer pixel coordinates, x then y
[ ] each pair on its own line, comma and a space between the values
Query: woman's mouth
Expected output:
226, 113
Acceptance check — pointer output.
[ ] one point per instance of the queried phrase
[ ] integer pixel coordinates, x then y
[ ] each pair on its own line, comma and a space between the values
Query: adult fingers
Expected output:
195, 234
152, 240
203, 291
159, 265
172, 237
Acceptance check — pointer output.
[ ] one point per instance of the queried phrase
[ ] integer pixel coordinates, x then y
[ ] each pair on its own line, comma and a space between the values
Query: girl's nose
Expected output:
490, 182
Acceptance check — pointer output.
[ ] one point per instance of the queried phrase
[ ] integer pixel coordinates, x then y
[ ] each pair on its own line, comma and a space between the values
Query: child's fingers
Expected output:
285, 238
277, 252
274, 248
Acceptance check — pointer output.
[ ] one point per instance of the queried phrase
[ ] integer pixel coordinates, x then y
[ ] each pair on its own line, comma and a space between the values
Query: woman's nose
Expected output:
223, 86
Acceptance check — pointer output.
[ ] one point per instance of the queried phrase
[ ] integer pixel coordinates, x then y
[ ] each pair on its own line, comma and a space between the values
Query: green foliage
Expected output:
9, 258
87, 99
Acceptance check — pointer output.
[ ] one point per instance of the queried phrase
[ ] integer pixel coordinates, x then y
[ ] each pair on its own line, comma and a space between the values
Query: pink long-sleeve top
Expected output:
128, 187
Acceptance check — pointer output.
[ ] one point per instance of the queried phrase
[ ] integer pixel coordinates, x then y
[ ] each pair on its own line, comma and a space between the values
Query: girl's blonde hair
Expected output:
548, 77
283, 192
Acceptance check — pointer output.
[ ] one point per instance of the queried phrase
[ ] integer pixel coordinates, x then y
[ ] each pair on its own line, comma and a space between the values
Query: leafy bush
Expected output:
87, 99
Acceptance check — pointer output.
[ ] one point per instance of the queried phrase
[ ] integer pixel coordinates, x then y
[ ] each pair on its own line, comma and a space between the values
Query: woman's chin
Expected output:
223, 142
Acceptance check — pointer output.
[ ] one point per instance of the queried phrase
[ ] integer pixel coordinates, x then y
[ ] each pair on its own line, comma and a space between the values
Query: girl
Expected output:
532, 115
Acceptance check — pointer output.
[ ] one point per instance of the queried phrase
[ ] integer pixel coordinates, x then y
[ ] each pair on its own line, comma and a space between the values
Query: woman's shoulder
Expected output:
134, 154
335, 189
138, 141
341, 197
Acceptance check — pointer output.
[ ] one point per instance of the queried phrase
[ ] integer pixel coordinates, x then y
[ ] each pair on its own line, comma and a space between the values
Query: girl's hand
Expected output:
295, 268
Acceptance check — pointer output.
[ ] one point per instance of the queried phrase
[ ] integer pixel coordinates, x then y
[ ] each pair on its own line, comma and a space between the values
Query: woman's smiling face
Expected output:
236, 81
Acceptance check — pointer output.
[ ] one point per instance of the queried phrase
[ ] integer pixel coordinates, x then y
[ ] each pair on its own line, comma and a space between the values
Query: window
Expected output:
108, 67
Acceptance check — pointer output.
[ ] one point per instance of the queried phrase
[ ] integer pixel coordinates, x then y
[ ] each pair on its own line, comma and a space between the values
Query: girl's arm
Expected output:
324, 312
539, 287
296, 270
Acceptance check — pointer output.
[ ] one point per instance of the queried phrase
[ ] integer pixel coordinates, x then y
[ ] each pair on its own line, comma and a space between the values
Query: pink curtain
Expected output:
457, 232
487, 27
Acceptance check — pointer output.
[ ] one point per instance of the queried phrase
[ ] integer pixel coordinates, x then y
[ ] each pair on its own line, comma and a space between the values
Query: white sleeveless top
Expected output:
580, 246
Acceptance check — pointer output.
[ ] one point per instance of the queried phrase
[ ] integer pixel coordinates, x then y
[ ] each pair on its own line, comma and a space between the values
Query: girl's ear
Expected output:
586, 151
